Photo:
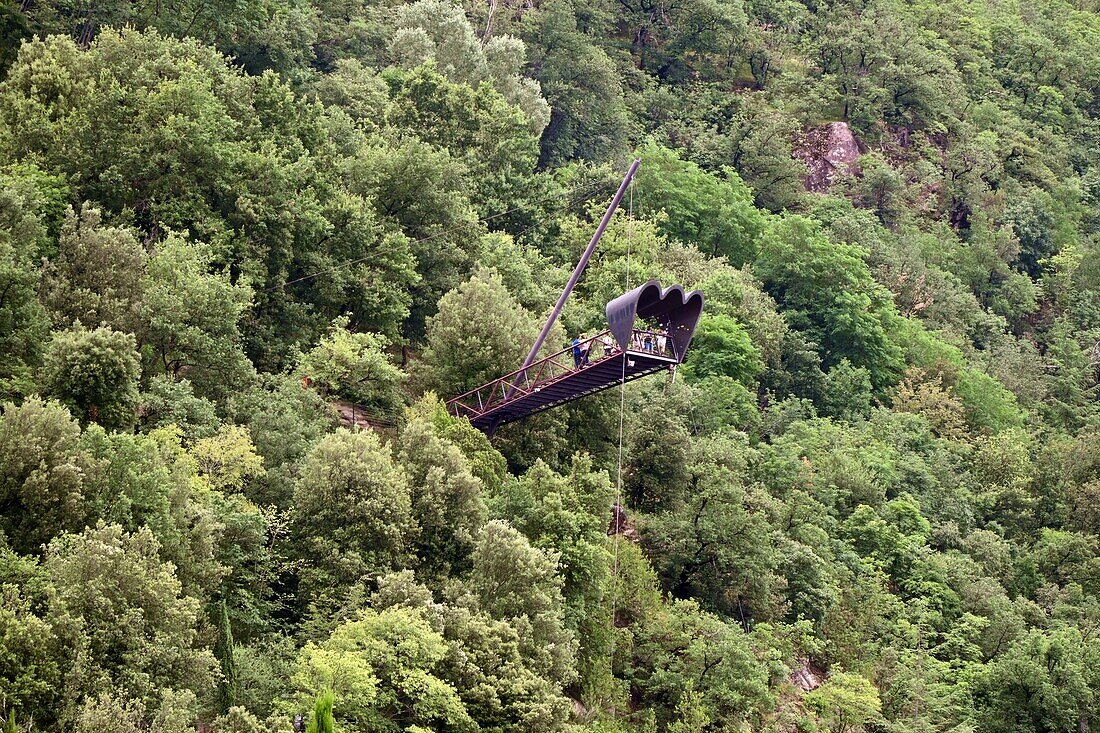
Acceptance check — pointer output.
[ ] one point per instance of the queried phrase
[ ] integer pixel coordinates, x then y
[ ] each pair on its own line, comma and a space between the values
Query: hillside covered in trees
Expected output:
869, 501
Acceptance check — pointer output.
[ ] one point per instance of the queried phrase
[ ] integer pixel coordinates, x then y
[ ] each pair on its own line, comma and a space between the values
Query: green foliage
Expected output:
485, 461
322, 720
168, 402
588, 115
716, 214
354, 366
722, 348
480, 333
655, 470
97, 274
22, 322
151, 482
829, 294
517, 582
567, 515
284, 422
712, 658
847, 701
714, 537
30, 659
876, 472
42, 475
95, 374
192, 319
381, 666
435, 30
223, 650
352, 514
446, 498
139, 632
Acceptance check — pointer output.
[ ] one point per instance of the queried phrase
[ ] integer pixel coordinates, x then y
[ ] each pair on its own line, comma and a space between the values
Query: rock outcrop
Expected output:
829, 152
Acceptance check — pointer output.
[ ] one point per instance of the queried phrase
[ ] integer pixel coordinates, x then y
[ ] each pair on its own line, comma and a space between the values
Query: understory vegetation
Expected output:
868, 501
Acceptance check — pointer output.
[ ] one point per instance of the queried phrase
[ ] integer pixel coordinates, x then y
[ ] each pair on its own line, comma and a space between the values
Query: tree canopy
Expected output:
250, 249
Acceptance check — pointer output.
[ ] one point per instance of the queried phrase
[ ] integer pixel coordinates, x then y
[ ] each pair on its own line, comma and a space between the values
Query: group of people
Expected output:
582, 348
653, 341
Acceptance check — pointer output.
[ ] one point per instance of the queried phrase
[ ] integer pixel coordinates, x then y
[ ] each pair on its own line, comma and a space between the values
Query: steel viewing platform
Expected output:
620, 354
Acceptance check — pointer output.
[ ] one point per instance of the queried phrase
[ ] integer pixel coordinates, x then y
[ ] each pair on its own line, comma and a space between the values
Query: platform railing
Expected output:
553, 367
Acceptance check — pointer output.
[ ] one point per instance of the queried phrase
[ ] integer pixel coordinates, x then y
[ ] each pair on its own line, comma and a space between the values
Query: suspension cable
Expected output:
620, 510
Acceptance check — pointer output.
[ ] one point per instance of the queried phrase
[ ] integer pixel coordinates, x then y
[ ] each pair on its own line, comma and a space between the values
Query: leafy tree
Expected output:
515, 581
720, 347
239, 720
831, 296
284, 422
97, 275
446, 499
151, 483
41, 474
354, 88
501, 681
30, 659
684, 649
436, 30
1043, 679
15, 31
710, 542
95, 374
167, 402
422, 188
588, 114
352, 514
139, 633
191, 319
224, 157
717, 403
926, 396
479, 334
881, 189
691, 716
223, 650
847, 702
568, 515
383, 666
485, 461
477, 126
109, 712
655, 471
22, 322
227, 460
355, 366
846, 393
264, 669
714, 213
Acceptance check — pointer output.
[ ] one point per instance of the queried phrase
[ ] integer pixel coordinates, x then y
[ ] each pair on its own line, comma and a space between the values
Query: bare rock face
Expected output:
621, 524
829, 152
807, 677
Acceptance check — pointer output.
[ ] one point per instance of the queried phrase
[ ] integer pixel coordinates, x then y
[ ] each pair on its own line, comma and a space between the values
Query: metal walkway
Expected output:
556, 379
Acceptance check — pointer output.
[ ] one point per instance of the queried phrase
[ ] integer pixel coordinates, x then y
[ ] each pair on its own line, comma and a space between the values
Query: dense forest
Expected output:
868, 501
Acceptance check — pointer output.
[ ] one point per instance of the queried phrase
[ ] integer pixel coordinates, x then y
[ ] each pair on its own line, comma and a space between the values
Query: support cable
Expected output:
620, 510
